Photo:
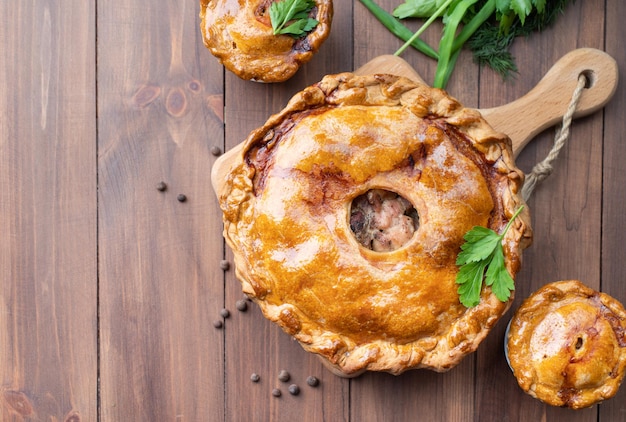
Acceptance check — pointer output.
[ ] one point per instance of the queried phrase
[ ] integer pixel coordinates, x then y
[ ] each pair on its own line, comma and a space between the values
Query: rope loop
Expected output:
544, 168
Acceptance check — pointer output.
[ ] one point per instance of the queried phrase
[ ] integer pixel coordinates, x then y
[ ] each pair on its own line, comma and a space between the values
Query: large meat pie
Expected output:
346, 212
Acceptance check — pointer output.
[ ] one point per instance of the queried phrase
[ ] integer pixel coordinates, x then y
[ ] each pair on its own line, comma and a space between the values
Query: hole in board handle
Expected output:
590, 78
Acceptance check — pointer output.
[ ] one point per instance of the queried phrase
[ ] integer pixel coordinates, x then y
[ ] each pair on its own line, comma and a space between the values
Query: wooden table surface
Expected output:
109, 288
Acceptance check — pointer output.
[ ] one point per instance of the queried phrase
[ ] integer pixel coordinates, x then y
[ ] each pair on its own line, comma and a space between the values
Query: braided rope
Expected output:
544, 168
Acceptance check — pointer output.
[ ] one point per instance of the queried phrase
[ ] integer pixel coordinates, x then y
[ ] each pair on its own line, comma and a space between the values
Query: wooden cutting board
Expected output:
542, 107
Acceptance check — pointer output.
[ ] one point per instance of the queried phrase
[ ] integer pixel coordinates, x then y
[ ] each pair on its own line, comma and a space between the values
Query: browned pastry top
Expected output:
567, 345
287, 218
239, 33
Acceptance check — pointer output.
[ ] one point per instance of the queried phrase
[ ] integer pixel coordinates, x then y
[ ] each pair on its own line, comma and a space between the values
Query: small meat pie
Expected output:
239, 33
567, 345
346, 212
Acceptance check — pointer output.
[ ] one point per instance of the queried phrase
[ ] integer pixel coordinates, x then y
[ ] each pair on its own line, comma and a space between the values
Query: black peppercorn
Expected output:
276, 392
312, 381
215, 150
217, 324
225, 313
255, 377
224, 265
284, 376
181, 197
241, 305
161, 186
294, 390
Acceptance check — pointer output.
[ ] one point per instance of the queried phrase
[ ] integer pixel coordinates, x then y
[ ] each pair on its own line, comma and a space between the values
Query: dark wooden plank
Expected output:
253, 344
566, 208
48, 273
613, 192
160, 99
160, 112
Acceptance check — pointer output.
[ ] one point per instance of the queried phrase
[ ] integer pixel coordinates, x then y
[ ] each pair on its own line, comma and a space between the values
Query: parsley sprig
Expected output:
481, 258
291, 17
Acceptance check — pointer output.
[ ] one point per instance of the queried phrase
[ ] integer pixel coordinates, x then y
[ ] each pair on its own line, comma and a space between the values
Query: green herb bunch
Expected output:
486, 27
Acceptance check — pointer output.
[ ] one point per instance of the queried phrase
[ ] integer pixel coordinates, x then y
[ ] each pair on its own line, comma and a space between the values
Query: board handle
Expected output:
545, 104
392, 65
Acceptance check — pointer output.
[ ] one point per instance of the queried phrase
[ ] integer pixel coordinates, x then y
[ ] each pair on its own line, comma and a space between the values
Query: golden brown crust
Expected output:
286, 210
239, 33
567, 345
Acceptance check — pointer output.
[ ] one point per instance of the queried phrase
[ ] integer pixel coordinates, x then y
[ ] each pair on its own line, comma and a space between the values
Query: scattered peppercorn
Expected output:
217, 324
276, 392
215, 150
225, 313
312, 381
161, 186
294, 390
224, 265
284, 376
255, 377
242, 305
181, 197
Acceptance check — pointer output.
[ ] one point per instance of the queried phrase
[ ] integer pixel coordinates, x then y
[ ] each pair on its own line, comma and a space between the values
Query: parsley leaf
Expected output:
480, 243
482, 251
470, 278
521, 8
496, 271
292, 17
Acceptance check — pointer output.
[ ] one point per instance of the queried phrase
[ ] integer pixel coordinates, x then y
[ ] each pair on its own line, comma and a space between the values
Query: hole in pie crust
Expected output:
579, 343
382, 220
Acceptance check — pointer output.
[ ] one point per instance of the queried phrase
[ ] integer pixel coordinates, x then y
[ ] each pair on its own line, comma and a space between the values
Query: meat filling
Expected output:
383, 221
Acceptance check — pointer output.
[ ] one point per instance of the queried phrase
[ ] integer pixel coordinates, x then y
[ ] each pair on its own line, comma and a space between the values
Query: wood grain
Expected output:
613, 194
48, 279
109, 288
161, 286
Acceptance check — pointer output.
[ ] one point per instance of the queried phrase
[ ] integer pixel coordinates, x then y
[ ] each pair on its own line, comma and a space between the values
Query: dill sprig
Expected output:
490, 44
